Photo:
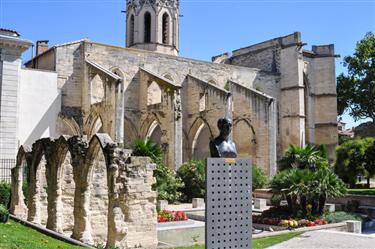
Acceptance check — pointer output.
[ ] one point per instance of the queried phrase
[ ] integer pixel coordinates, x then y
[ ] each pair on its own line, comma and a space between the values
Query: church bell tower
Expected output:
153, 25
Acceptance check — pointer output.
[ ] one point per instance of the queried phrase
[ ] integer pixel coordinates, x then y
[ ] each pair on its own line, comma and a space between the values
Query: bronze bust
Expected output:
222, 146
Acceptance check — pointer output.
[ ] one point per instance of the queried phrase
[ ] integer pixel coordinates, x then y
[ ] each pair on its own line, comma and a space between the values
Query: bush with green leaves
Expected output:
354, 158
147, 148
5, 193
3, 210
192, 174
167, 184
260, 179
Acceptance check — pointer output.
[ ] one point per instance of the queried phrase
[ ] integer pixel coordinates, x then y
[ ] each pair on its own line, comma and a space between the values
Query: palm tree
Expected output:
147, 148
310, 157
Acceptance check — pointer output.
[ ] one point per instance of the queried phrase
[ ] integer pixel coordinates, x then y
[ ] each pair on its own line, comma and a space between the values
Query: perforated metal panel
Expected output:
228, 203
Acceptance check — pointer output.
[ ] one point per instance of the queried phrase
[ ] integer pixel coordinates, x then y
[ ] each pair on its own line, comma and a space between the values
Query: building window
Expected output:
147, 23
131, 31
165, 28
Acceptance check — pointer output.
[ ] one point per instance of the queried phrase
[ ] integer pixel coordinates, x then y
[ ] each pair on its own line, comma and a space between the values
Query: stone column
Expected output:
82, 228
178, 130
17, 204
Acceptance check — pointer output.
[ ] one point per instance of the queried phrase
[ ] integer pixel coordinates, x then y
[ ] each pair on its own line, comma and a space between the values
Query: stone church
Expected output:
276, 92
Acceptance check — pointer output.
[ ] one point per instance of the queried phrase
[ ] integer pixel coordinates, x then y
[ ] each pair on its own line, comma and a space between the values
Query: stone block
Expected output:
162, 204
198, 202
330, 207
354, 226
260, 203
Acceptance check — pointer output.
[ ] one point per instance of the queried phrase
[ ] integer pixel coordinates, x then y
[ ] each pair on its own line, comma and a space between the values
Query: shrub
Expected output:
310, 157
192, 174
167, 184
336, 217
5, 193
3, 210
301, 187
259, 178
147, 148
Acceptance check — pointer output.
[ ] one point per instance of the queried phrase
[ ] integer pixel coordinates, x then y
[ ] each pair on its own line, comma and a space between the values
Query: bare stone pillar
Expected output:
82, 229
17, 205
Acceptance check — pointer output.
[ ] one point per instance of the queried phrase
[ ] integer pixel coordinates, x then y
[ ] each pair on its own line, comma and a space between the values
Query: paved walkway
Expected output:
325, 239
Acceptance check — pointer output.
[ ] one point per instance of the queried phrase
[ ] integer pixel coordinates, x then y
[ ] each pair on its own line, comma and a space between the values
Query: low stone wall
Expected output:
91, 190
363, 200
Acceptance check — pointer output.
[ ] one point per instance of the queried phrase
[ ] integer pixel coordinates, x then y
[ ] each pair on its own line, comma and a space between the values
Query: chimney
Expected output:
41, 47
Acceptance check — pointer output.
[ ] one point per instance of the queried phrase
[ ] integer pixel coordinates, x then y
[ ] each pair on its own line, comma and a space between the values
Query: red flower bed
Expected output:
290, 223
167, 216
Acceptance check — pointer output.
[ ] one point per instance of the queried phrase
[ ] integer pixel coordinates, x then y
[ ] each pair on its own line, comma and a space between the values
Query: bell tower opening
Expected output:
153, 25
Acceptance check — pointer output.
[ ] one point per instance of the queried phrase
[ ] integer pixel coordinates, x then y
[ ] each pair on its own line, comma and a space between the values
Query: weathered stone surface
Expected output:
91, 190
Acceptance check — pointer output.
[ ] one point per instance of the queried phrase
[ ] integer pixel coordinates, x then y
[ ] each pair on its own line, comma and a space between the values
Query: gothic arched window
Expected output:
147, 23
131, 31
165, 28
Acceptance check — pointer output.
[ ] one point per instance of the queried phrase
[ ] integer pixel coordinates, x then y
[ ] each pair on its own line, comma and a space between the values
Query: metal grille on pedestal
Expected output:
228, 203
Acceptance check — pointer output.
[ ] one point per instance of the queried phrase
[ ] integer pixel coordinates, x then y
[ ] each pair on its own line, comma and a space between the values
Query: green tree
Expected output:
356, 90
148, 148
259, 178
355, 158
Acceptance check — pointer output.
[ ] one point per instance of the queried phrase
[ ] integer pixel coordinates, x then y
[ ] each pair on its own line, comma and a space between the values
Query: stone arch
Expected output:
97, 89
94, 124
68, 126
154, 133
199, 147
147, 27
66, 186
131, 132
245, 138
166, 28
37, 196
199, 136
20, 177
97, 191
154, 93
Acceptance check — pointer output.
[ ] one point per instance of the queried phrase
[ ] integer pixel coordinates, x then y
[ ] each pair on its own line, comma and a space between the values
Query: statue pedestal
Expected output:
228, 203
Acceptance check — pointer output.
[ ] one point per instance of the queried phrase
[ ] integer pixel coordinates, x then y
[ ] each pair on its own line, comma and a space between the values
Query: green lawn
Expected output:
16, 236
262, 242
362, 191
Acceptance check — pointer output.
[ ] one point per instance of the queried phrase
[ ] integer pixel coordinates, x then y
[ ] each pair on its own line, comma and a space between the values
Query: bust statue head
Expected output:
225, 127
222, 146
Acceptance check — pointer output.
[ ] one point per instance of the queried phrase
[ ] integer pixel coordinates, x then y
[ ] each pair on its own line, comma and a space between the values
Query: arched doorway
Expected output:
244, 138
200, 145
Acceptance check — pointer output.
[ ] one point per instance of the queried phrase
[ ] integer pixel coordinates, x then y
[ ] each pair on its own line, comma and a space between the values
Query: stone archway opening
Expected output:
98, 204
200, 146
67, 195
244, 138
154, 133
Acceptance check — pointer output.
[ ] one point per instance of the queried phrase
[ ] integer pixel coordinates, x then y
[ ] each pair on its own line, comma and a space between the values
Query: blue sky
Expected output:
207, 28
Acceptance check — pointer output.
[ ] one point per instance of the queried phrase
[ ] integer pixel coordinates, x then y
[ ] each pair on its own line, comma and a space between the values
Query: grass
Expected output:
362, 191
261, 242
13, 235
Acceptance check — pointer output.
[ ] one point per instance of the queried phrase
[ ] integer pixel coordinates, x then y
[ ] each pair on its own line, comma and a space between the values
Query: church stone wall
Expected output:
96, 199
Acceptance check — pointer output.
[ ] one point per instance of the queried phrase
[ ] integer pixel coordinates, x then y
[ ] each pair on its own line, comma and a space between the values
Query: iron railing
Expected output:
5, 169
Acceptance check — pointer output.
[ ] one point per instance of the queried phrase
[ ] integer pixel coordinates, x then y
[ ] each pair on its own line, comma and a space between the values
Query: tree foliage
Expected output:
192, 174
354, 158
356, 90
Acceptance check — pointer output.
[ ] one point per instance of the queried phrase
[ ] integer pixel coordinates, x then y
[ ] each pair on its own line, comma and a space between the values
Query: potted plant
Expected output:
4, 214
